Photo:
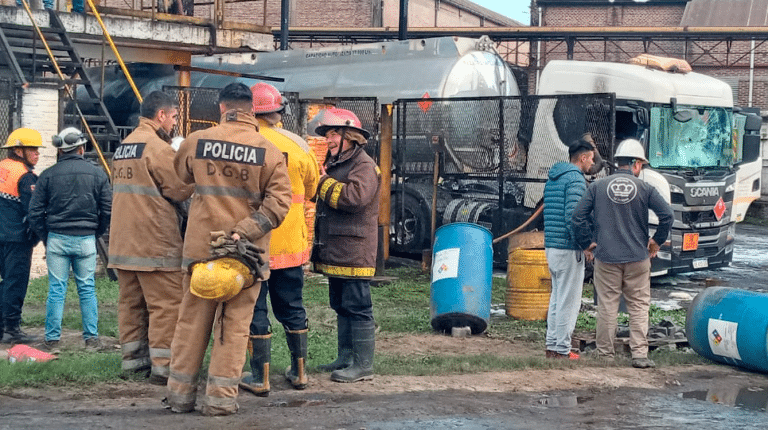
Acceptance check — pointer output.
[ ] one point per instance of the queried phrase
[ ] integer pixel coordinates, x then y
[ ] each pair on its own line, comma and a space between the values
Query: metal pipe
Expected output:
751, 70
402, 29
285, 9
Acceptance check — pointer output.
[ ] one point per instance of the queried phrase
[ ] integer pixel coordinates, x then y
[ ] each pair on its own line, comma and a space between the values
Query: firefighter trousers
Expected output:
147, 313
198, 319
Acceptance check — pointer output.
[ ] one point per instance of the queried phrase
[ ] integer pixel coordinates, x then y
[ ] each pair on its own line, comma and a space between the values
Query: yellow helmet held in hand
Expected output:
24, 138
219, 279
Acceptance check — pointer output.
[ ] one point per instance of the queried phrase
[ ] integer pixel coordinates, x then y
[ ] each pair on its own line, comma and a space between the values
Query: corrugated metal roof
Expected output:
730, 13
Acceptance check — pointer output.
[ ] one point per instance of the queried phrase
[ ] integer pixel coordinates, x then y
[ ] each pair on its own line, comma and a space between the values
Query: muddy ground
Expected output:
586, 395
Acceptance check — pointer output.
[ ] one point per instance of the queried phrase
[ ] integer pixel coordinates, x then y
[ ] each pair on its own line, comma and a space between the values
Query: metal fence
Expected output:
484, 160
10, 100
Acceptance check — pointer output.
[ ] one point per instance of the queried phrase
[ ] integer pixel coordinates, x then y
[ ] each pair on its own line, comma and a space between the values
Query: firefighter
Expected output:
17, 182
146, 240
288, 251
346, 238
242, 188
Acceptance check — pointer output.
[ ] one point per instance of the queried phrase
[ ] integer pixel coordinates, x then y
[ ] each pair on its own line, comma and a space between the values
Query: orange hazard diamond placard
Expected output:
690, 241
719, 208
425, 104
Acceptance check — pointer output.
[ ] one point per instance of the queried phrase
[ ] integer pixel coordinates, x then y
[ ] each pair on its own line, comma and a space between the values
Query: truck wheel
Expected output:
409, 229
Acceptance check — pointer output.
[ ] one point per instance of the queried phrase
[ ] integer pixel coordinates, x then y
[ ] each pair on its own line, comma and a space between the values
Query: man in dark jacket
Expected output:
17, 181
614, 213
346, 240
565, 259
70, 208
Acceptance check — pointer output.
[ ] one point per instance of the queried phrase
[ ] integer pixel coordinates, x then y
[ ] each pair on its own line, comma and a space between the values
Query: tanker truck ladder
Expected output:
33, 53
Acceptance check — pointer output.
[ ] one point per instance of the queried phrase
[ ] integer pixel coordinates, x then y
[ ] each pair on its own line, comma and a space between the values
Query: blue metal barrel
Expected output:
462, 270
730, 325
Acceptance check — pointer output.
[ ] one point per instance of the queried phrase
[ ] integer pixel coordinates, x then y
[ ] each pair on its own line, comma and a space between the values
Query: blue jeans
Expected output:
48, 4
567, 269
79, 252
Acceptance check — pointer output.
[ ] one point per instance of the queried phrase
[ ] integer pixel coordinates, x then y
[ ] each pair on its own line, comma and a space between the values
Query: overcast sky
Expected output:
515, 9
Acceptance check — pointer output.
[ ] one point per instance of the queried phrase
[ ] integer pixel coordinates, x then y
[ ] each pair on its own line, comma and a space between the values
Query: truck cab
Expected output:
687, 125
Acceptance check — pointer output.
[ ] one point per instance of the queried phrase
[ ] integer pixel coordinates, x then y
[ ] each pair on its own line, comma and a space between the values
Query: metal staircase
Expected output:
36, 59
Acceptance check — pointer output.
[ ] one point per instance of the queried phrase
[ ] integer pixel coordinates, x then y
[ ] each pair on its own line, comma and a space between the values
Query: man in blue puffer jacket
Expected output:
563, 191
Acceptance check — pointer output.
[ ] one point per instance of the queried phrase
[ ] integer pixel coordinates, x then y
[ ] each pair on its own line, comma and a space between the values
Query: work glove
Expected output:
222, 245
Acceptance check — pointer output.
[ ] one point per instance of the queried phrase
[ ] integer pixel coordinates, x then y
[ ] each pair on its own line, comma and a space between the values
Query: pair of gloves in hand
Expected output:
222, 245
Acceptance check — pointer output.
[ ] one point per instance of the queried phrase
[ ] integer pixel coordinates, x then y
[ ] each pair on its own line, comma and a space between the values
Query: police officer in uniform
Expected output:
242, 187
146, 240
17, 182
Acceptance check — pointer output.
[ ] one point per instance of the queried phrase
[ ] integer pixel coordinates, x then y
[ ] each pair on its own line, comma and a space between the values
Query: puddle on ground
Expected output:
297, 403
751, 398
565, 401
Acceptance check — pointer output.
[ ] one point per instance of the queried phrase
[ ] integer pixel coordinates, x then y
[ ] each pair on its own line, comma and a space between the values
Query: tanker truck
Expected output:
704, 155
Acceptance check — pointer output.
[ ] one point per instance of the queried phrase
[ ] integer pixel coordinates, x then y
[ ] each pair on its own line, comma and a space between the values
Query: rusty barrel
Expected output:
462, 271
529, 283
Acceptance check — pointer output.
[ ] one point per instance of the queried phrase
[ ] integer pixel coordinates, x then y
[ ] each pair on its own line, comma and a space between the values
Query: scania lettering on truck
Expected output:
704, 157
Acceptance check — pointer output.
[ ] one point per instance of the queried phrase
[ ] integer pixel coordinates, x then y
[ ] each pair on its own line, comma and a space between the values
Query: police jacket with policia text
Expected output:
289, 246
144, 233
346, 218
72, 197
614, 213
241, 184
17, 182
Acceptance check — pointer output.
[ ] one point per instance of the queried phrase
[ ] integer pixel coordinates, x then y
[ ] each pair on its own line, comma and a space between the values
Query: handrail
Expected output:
66, 86
114, 50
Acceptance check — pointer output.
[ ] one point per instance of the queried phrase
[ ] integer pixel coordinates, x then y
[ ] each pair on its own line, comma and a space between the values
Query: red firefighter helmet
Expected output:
337, 118
266, 99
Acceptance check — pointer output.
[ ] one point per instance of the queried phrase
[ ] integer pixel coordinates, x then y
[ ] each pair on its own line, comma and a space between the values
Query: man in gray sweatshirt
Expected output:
612, 219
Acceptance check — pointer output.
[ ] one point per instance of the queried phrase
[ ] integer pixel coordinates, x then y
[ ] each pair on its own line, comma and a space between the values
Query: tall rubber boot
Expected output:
297, 343
345, 347
257, 382
15, 335
363, 345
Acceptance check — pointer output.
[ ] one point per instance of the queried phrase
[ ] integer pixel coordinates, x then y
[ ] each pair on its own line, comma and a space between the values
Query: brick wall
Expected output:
40, 111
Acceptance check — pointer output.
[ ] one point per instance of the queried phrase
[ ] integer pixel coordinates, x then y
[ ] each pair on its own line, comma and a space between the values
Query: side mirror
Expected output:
750, 148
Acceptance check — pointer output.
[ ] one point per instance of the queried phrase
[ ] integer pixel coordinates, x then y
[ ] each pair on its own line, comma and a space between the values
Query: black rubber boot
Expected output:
296, 373
257, 382
363, 345
345, 347
15, 335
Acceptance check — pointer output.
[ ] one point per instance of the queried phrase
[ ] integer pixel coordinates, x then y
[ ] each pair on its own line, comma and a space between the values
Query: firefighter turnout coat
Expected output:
346, 221
241, 186
289, 246
145, 230
145, 247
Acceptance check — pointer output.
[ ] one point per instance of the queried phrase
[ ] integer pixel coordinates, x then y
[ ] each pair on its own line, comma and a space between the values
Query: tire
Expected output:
409, 233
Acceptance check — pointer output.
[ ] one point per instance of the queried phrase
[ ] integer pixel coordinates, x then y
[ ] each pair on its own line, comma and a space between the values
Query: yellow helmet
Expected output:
24, 137
219, 279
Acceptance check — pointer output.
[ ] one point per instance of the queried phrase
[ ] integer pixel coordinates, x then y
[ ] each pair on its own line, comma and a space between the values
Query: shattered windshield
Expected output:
704, 140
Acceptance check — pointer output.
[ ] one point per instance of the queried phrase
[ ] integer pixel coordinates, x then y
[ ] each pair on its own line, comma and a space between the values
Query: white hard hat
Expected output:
69, 139
631, 148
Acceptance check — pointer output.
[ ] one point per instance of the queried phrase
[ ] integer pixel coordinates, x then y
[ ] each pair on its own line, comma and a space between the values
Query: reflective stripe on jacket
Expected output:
17, 181
346, 221
241, 184
289, 246
144, 232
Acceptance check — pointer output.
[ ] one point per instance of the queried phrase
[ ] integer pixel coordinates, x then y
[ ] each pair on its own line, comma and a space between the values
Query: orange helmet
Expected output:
266, 99
337, 118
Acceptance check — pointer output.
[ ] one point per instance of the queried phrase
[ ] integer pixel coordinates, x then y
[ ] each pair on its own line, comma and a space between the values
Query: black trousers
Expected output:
285, 293
15, 263
351, 298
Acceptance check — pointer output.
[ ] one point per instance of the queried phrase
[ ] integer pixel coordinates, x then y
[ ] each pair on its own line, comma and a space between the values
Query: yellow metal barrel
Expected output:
528, 280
